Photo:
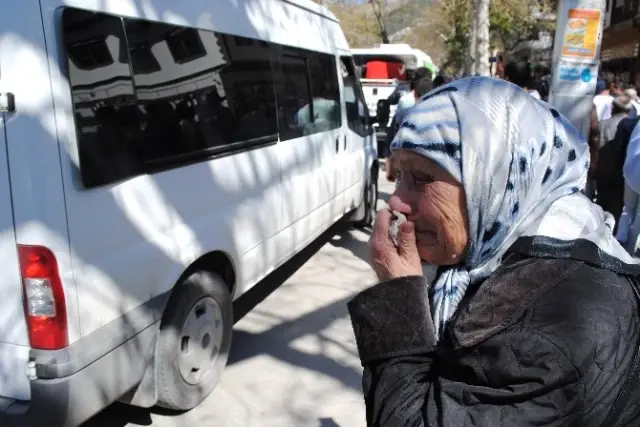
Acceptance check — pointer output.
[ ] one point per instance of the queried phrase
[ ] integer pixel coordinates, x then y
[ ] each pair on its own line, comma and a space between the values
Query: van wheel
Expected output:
370, 201
194, 342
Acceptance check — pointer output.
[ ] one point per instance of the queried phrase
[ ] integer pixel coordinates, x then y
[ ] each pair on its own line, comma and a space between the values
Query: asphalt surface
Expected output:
293, 360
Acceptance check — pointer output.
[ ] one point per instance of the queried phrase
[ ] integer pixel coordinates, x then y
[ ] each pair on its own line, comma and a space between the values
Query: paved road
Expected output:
293, 360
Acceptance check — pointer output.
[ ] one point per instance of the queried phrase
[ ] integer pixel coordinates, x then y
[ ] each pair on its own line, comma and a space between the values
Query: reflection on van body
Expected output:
181, 164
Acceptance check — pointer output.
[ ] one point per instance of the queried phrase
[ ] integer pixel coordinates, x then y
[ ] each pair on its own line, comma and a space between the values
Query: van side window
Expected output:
196, 106
325, 92
308, 93
150, 96
357, 111
103, 97
293, 91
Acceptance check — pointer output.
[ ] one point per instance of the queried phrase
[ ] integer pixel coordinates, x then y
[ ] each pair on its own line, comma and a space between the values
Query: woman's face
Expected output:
435, 202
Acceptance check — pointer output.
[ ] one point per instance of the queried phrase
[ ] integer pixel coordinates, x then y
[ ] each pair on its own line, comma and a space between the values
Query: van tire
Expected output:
370, 200
195, 331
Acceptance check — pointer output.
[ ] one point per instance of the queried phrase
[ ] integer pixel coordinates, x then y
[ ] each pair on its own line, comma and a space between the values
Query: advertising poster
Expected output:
582, 74
581, 37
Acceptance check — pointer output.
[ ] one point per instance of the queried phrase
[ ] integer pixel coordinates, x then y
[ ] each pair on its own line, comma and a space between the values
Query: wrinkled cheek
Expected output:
428, 209
435, 200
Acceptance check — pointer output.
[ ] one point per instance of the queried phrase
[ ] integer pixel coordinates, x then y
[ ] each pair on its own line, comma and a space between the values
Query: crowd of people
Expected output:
614, 175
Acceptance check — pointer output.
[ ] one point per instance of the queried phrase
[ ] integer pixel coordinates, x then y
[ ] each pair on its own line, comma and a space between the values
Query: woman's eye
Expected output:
422, 179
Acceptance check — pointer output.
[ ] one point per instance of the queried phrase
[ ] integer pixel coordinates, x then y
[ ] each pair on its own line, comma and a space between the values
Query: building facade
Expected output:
621, 40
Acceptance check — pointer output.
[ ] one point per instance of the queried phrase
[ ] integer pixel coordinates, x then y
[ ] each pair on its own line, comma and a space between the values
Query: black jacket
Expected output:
542, 342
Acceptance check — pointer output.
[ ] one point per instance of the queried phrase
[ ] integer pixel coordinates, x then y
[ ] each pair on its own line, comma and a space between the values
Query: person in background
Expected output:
500, 67
441, 80
620, 108
633, 95
610, 177
541, 77
594, 148
608, 174
607, 87
400, 90
421, 84
532, 318
519, 73
629, 223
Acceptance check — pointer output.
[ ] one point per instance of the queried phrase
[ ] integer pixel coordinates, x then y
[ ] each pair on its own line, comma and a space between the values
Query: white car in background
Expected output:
383, 69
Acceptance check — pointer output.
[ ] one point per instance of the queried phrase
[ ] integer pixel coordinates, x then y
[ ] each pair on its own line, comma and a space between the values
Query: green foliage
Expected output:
511, 21
439, 27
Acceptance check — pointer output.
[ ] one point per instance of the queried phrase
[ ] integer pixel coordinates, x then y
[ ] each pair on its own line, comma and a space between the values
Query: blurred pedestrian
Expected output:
441, 80
609, 160
629, 225
519, 73
620, 108
542, 81
607, 87
633, 95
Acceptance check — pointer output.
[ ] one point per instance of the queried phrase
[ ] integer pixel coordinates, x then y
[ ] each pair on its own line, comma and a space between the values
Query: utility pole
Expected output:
576, 53
472, 48
482, 37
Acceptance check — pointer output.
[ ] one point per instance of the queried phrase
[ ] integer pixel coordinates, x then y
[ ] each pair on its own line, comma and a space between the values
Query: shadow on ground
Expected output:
276, 343
351, 243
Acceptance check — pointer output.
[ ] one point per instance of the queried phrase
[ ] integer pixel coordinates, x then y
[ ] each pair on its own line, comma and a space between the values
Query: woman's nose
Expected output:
400, 201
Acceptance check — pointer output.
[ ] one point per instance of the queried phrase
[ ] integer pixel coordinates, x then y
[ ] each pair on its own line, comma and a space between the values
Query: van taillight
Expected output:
44, 303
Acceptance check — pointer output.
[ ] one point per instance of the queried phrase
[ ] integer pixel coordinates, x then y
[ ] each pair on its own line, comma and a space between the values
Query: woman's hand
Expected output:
388, 261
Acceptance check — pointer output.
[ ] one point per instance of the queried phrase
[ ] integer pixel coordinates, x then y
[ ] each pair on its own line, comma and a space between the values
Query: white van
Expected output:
157, 159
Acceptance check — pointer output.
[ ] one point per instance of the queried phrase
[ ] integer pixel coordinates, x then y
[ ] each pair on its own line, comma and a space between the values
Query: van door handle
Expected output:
337, 145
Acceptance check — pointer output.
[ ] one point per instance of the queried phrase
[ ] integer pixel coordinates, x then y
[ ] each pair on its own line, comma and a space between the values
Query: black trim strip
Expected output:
210, 153
580, 249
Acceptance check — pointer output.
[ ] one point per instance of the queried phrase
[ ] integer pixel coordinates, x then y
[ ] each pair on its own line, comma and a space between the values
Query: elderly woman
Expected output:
532, 318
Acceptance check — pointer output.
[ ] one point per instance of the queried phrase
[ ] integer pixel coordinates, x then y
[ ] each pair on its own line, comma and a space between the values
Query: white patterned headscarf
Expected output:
522, 166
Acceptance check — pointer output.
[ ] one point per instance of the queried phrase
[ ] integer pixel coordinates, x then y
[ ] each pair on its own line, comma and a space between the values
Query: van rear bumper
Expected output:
69, 401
